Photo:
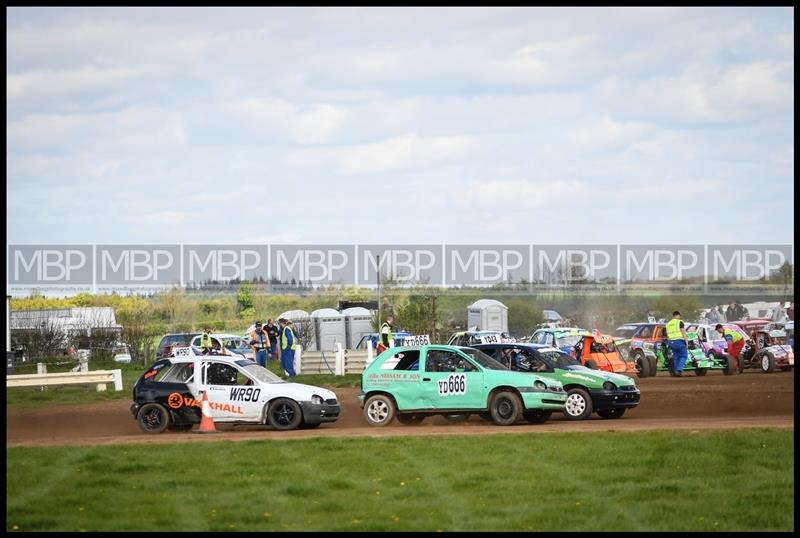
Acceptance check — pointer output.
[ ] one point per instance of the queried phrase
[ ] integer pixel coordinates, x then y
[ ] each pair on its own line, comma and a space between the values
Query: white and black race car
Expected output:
169, 395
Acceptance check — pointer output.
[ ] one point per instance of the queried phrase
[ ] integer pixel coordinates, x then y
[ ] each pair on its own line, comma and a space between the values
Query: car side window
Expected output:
218, 373
550, 339
178, 373
440, 360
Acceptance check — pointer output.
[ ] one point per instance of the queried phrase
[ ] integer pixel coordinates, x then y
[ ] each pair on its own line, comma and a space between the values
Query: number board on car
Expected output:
417, 340
490, 339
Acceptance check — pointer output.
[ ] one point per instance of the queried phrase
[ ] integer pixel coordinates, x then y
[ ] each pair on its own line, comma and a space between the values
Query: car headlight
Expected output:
317, 400
608, 385
540, 385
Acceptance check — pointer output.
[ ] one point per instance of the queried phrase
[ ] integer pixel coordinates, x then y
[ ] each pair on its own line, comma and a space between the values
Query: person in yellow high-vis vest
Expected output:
735, 343
288, 345
678, 342
206, 344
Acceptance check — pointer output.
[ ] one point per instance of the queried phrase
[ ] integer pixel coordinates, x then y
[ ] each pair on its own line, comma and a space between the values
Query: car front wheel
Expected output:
578, 405
767, 362
284, 414
379, 410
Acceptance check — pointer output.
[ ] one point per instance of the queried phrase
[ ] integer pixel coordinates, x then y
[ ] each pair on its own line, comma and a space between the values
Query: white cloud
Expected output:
395, 154
47, 83
158, 217
519, 193
304, 124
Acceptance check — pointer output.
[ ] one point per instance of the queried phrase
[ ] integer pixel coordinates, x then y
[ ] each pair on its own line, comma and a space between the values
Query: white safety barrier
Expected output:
100, 377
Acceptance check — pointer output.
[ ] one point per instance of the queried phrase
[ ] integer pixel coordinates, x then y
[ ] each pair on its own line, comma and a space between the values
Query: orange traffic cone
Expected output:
206, 423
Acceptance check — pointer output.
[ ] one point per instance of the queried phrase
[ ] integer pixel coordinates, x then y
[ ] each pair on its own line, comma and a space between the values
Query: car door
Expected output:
451, 381
233, 395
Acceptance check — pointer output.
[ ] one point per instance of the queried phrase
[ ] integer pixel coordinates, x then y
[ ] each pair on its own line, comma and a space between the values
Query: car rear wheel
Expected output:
537, 416
612, 413
379, 410
767, 362
284, 414
404, 418
152, 418
642, 364
506, 408
578, 405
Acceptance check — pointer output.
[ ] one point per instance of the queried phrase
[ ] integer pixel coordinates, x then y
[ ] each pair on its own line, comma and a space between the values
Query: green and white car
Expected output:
410, 383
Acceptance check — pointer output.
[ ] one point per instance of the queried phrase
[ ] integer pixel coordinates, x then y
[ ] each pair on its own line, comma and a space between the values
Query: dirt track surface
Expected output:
749, 400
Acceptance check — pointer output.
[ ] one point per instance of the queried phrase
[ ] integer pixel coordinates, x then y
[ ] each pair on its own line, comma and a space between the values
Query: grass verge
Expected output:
612, 481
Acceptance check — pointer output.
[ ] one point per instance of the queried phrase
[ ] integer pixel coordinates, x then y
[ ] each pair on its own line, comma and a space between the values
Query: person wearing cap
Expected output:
206, 344
735, 342
678, 342
288, 345
259, 341
273, 333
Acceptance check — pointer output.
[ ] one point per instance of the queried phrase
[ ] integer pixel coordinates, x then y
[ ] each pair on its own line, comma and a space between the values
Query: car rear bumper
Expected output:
317, 413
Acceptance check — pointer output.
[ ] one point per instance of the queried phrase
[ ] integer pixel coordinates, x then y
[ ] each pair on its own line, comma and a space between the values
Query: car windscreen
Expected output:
567, 340
626, 331
558, 359
483, 359
259, 372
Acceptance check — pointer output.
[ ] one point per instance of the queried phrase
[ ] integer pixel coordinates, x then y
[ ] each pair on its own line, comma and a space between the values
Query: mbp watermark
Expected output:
697, 268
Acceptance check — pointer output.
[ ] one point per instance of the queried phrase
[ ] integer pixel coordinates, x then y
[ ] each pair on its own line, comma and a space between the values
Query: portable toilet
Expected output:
303, 327
488, 315
329, 326
357, 323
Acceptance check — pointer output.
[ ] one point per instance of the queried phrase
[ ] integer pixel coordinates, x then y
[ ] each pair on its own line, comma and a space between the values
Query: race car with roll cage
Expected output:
239, 391
598, 352
468, 338
767, 349
588, 391
413, 382
563, 338
661, 359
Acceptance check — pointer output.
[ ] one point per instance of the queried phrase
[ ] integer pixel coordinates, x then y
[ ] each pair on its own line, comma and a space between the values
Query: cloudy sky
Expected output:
400, 125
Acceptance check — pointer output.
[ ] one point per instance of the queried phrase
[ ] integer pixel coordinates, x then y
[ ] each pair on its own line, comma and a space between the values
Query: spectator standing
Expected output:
678, 343
713, 316
259, 341
386, 337
731, 313
790, 311
288, 345
206, 344
273, 333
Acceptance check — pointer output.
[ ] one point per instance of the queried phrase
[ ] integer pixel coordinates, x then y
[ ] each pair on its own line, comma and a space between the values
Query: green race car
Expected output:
410, 383
696, 359
606, 393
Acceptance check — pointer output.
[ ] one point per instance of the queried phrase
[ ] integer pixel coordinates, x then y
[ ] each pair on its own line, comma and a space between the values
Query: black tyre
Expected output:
506, 408
701, 371
284, 414
767, 362
653, 366
408, 419
537, 416
590, 364
180, 427
457, 417
612, 413
642, 364
578, 405
379, 410
152, 418
728, 369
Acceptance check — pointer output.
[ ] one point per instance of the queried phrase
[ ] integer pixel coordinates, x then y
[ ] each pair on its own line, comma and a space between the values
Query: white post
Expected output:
298, 359
117, 379
41, 369
339, 368
370, 354
101, 387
